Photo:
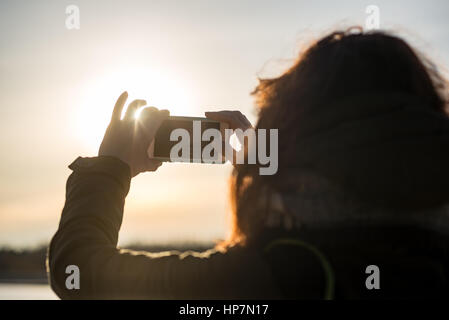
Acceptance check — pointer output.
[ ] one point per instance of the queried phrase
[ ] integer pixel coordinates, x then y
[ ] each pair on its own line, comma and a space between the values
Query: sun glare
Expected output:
161, 90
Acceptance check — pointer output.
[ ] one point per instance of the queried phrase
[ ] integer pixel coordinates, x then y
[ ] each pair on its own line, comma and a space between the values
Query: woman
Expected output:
356, 210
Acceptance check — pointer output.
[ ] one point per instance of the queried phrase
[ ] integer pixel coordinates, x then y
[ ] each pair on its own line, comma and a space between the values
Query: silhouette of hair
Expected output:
339, 65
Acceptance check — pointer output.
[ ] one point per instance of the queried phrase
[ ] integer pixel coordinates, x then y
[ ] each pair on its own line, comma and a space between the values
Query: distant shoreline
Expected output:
29, 267
24, 281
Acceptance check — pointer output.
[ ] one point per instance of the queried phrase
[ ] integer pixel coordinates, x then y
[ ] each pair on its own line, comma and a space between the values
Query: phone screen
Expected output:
162, 143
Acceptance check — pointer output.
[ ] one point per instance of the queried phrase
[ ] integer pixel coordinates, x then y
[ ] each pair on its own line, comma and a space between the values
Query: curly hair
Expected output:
339, 65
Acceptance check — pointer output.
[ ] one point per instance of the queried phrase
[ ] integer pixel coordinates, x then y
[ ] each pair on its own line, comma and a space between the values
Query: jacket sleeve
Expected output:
87, 238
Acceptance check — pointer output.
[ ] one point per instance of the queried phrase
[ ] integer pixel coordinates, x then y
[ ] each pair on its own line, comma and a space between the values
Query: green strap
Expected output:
328, 271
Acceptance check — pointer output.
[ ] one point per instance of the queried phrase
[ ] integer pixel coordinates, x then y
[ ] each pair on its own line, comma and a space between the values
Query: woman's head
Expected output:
340, 65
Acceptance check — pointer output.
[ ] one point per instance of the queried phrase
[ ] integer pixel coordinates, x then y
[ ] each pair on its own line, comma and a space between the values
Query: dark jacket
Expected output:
87, 237
413, 262
391, 151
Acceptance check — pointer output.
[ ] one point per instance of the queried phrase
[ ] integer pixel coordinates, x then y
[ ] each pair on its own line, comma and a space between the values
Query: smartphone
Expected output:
195, 126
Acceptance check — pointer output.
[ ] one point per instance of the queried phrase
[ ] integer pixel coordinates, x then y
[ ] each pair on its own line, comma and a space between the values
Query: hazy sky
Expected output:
58, 87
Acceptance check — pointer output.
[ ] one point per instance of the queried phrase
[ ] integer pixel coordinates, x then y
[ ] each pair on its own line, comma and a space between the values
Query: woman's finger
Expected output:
151, 120
235, 119
219, 115
244, 121
132, 108
117, 112
146, 113
224, 116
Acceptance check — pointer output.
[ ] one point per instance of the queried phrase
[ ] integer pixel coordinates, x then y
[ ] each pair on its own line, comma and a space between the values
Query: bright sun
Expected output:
98, 97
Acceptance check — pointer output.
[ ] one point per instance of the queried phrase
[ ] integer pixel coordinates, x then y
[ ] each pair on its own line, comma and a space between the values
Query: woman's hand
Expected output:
128, 139
236, 120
